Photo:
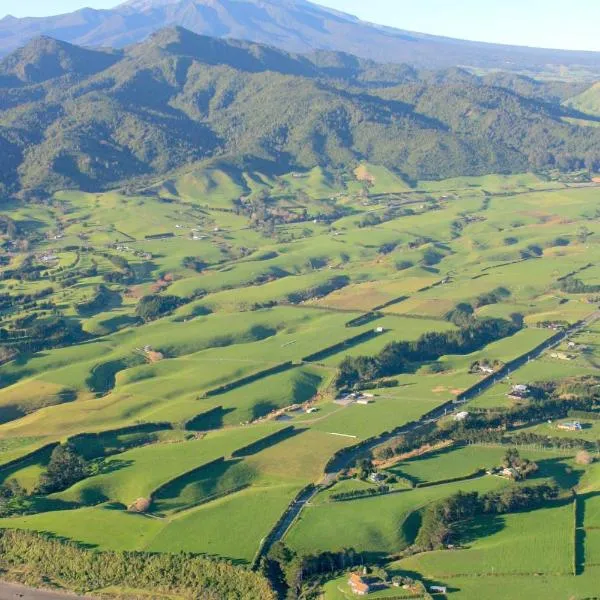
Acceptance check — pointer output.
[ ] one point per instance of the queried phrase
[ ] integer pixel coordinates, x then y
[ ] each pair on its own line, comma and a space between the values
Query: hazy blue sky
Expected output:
547, 23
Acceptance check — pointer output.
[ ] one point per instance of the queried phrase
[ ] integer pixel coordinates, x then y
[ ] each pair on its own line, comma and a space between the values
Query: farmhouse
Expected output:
570, 426
510, 473
358, 585
376, 477
561, 356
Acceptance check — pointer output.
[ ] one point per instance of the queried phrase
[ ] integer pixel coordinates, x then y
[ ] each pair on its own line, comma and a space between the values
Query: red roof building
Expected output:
358, 585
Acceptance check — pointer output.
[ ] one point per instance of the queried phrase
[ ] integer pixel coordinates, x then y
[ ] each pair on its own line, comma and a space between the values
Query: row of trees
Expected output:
572, 285
548, 400
438, 527
396, 357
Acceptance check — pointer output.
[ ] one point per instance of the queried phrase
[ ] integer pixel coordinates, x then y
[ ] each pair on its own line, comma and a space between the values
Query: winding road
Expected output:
10, 591
294, 510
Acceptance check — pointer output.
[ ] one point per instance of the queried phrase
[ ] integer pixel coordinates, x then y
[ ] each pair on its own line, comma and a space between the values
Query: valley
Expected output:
188, 346
280, 322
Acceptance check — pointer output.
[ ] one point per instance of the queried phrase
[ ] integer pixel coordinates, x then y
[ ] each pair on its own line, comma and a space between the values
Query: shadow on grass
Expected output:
467, 532
217, 478
564, 475
115, 323
268, 442
209, 420
113, 465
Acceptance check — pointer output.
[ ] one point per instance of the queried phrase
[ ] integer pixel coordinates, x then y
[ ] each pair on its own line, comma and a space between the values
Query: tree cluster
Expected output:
81, 569
438, 526
397, 356
65, 468
154, 306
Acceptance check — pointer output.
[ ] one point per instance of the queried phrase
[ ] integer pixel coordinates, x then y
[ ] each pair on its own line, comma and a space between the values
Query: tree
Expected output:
511, 458
154, 306
583, 233
13, 498
65, 468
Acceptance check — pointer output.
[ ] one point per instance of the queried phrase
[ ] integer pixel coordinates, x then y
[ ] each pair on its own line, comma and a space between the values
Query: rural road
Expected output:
13, 591
294, 510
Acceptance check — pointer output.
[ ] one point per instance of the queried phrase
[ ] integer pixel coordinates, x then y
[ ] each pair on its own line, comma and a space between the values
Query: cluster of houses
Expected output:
362, 586
48, 258
138, 253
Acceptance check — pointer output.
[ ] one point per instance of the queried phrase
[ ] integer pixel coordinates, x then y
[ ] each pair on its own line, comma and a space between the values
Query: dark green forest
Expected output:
89, 119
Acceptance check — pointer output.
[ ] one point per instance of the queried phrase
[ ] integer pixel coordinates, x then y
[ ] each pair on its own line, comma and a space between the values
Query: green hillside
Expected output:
87, 119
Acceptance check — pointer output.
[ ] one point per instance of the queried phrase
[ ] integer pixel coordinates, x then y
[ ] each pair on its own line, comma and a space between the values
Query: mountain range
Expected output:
73, 117
293, 25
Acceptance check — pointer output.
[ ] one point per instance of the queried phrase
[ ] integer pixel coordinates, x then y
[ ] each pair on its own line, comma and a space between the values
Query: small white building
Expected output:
438, 589
376, 477
461, 416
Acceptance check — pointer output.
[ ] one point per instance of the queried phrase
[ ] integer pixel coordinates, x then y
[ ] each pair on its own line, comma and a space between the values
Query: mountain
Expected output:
46, 58
90, 119
293, 25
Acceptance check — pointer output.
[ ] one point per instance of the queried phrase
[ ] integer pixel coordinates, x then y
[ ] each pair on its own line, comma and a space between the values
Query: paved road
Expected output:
12, 591
350, 457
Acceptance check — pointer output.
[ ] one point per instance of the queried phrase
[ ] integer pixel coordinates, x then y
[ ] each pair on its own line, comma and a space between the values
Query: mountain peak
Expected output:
44, 58
298, 26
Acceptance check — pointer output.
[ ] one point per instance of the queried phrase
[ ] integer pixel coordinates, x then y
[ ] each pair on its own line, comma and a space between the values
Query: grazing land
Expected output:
210, 362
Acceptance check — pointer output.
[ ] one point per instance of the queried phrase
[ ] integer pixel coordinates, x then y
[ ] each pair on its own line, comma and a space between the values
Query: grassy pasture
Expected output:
507, 544
447, 464
247, 516
473, 241
372, 525
138, 472
550, 587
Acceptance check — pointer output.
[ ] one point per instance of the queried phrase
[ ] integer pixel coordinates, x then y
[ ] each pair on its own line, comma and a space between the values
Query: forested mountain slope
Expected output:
74, 117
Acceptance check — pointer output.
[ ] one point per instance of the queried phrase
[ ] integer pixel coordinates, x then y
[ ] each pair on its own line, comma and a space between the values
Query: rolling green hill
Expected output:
588, 101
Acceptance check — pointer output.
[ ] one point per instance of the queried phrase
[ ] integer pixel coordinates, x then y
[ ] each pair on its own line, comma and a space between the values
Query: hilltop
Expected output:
294, 25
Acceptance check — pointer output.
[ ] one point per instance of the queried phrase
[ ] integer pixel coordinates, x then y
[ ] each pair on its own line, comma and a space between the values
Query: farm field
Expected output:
507, 546
193, 355
383, 526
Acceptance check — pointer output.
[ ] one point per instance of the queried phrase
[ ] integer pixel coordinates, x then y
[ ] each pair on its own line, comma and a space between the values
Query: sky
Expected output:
543, 23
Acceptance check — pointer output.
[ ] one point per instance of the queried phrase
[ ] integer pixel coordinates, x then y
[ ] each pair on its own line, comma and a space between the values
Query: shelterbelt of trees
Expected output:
397, 356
